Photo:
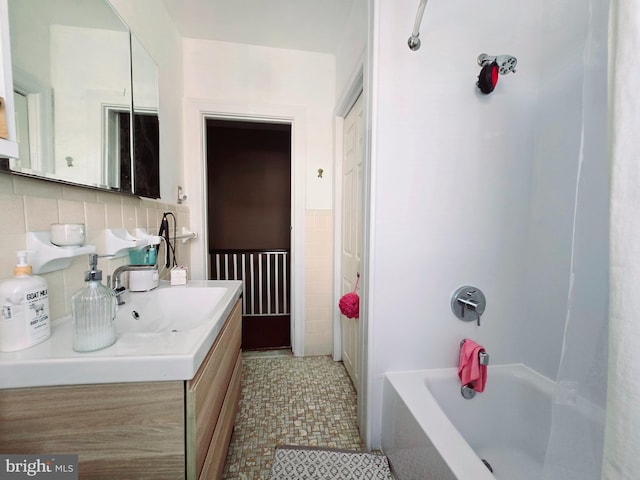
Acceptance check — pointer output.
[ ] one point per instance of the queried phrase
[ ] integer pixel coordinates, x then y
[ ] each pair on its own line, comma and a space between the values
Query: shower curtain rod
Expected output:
414, 40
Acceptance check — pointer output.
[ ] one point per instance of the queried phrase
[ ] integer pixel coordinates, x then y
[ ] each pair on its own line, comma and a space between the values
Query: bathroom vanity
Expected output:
161, 427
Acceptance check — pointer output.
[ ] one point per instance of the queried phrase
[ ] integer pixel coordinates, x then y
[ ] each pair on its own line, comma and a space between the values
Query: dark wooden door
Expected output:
249, 210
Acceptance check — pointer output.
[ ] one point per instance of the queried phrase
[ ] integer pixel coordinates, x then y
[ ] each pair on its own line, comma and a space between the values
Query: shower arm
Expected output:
414, 39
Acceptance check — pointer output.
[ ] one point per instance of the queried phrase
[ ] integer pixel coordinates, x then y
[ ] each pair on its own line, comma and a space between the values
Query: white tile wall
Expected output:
319, 282
32, 205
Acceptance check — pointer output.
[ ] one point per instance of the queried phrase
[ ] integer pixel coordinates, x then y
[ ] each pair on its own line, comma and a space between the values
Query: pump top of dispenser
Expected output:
22, 267
93, 274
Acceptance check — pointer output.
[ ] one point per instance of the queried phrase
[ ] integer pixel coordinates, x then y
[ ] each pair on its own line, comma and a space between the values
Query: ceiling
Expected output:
311, 25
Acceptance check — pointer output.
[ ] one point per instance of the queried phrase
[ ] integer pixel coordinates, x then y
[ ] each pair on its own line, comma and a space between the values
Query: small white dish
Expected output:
68, 234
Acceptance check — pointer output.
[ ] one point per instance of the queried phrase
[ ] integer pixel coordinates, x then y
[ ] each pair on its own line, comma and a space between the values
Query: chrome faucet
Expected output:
116, 283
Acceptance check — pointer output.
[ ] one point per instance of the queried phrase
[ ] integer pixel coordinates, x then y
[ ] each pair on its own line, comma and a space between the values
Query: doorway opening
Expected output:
249, 223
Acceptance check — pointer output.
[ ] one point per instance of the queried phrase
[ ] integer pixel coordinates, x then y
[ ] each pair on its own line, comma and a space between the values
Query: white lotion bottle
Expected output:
24, 319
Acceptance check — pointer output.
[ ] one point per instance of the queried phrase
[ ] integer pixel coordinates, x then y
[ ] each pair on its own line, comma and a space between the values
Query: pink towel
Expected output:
469, 368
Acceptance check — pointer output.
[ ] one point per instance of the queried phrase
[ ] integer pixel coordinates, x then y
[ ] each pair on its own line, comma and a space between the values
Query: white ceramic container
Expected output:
68, 234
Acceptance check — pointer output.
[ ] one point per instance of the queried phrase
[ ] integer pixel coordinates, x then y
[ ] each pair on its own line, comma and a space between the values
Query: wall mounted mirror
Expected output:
78, 75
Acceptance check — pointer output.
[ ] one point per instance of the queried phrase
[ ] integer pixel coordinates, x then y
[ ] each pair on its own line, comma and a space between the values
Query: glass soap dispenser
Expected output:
93, 309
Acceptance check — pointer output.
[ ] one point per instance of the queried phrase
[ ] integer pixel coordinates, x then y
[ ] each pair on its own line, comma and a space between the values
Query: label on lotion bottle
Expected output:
27, 322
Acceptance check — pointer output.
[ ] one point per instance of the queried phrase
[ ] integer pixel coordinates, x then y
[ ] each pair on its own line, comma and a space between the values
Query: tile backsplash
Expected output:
33, 205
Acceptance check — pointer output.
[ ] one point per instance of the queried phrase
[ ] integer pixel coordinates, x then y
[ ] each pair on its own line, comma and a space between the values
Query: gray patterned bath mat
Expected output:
309, 463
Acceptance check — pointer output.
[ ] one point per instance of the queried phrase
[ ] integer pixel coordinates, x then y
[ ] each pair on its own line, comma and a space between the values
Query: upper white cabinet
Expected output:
8, 146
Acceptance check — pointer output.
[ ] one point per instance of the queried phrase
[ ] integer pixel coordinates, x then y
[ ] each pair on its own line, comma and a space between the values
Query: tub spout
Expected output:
467, 391
472, 371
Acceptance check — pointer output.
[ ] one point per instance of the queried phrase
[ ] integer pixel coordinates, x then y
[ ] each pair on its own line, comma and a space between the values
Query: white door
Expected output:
352, 232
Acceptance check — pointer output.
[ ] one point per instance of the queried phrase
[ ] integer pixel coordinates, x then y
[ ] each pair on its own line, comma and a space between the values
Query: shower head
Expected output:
506, 63
492, 68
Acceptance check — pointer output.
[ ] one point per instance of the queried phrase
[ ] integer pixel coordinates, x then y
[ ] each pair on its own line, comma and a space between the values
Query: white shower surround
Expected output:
481, 190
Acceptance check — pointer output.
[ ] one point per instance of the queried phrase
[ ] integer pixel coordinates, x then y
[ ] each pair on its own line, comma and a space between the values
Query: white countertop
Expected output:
136, 357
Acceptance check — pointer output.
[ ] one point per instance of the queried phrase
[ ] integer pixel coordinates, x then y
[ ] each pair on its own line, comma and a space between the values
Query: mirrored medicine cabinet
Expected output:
78, 75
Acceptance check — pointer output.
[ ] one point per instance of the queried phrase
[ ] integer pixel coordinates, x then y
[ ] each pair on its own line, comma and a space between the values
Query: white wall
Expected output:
551, 211
246, 76
351, 52
569, 178
473, 189
572, 158
450, 183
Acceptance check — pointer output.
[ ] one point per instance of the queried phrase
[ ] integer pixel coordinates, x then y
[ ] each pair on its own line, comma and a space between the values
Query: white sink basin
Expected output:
168, 310
174, 329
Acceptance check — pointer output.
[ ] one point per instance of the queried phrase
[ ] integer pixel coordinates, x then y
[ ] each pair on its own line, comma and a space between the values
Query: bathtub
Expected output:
430, 432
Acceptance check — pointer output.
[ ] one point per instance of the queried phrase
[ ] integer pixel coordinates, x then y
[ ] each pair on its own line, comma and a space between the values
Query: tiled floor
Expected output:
290, 400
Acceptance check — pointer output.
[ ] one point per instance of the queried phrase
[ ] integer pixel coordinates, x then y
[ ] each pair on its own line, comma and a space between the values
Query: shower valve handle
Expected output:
468, 298
469, 303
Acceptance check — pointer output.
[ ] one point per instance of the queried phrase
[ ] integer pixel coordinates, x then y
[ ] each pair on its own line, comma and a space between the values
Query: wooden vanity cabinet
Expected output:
124, 430
214, 389
145, 430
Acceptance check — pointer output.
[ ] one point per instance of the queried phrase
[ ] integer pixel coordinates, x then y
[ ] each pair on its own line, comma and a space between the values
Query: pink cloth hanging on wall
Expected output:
470, 370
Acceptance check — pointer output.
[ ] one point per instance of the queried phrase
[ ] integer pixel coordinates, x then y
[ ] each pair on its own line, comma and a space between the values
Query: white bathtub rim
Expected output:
560, 392
450, 444
518, 370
